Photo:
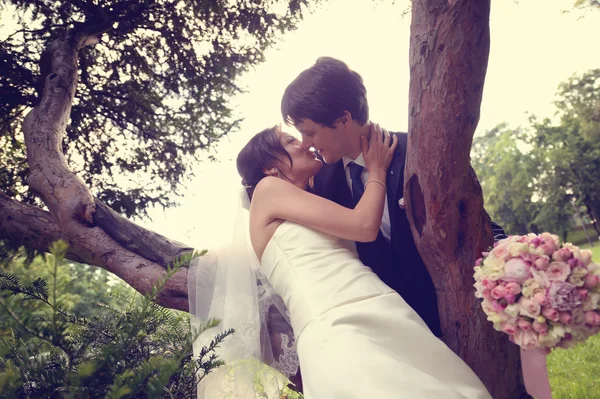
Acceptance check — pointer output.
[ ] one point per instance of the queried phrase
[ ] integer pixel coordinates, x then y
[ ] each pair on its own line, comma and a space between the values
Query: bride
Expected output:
355, 337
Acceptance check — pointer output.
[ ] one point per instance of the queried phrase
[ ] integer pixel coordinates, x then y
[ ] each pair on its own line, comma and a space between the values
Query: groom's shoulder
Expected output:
402, 142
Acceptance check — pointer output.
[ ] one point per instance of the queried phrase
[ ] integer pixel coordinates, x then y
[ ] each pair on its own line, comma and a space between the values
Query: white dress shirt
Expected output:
364, 177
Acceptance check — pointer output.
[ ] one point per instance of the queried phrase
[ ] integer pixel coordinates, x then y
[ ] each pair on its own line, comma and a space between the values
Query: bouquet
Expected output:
541, 293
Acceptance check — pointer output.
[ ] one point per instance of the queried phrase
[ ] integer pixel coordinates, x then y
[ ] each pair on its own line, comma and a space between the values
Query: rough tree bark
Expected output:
448, 60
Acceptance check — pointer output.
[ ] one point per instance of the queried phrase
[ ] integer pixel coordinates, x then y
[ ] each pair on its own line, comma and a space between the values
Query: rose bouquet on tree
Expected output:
541, 293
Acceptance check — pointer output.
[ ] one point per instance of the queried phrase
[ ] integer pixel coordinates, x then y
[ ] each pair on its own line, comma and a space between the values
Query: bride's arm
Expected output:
278, 199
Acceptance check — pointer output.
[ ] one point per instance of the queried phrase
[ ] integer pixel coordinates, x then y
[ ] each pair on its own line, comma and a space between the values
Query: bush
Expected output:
56, 342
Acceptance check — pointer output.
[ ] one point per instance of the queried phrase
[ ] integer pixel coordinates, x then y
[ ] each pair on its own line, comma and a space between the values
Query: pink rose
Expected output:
487, 295
565, 318
573, 262
558, 271
541, 328
590, 281
547, 249
550, 314
497, 306
478, 262
516, 269
541, 298
488, 284
528, 307
526, 339
510, 298
498, 292
562, 255
523, 324
501, 252
592, 318
541, 263
583, 293
513, 288
509, 327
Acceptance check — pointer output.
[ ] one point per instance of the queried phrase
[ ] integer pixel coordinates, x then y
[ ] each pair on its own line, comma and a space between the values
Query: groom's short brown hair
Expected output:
323, 92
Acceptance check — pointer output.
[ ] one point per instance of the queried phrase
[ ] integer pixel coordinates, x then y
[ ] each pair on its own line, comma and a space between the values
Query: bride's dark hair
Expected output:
262, 152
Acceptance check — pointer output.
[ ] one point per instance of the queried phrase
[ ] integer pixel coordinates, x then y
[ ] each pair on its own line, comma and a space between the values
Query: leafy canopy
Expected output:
151, 95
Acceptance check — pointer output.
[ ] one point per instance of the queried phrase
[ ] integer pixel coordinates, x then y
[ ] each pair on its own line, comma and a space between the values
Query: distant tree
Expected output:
569, 170
507, 173
580, 101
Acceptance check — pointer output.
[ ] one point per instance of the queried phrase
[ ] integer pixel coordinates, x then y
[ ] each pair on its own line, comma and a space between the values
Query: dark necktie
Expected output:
357, 186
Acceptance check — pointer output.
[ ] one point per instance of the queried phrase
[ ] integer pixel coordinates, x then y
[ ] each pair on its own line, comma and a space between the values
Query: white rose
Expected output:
518, 248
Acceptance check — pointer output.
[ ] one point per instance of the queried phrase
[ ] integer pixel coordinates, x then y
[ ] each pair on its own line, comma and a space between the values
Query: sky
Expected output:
535, 45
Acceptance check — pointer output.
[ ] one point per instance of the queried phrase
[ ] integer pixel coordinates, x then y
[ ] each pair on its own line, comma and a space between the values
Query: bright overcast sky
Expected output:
535, 46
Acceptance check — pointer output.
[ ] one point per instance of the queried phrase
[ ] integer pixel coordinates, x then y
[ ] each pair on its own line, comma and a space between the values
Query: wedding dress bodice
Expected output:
356, 337
314, 272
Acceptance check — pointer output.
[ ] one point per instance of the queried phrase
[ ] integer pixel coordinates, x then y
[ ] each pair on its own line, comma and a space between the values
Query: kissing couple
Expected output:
322, 276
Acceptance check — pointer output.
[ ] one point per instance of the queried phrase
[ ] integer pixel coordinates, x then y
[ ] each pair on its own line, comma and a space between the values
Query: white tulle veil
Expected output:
226, 284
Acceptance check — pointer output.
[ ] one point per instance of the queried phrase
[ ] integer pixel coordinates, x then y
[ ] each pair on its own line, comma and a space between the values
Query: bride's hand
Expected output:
377, 151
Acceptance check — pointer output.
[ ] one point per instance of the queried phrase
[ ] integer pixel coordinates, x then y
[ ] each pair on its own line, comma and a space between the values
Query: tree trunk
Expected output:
448, 60
96, 235
592, 213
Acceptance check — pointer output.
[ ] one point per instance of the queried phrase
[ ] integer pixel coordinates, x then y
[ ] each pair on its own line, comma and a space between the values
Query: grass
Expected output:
578, 237
575, 373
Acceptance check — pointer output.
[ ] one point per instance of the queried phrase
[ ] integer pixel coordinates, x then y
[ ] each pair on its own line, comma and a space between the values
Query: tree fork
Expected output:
75, 214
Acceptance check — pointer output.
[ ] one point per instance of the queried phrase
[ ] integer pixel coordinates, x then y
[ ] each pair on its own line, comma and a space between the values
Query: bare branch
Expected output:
150, 245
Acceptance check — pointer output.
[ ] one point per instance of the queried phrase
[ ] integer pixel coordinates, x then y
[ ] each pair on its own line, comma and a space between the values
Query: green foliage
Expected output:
506, 175
580, 100
129, 347
151, 95
538, 178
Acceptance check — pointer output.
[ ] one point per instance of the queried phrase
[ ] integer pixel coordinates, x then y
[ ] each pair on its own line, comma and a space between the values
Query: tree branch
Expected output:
152, 246
35, 228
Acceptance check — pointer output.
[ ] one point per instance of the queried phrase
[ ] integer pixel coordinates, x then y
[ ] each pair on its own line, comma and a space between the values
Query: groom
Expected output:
327, 104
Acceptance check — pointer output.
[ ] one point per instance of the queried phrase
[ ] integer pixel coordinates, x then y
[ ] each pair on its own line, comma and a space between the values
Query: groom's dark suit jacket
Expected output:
398, 262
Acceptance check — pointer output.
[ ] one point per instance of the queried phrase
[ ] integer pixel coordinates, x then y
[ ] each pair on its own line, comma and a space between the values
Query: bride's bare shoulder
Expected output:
270, 187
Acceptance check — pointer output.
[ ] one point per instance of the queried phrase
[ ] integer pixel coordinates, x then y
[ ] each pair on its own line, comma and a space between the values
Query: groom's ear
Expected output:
345, 120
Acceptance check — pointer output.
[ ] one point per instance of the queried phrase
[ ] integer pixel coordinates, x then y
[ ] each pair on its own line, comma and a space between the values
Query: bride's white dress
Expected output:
356, 337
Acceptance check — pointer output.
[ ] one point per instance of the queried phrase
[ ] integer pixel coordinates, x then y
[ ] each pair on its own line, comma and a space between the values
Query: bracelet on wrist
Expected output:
375, 181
